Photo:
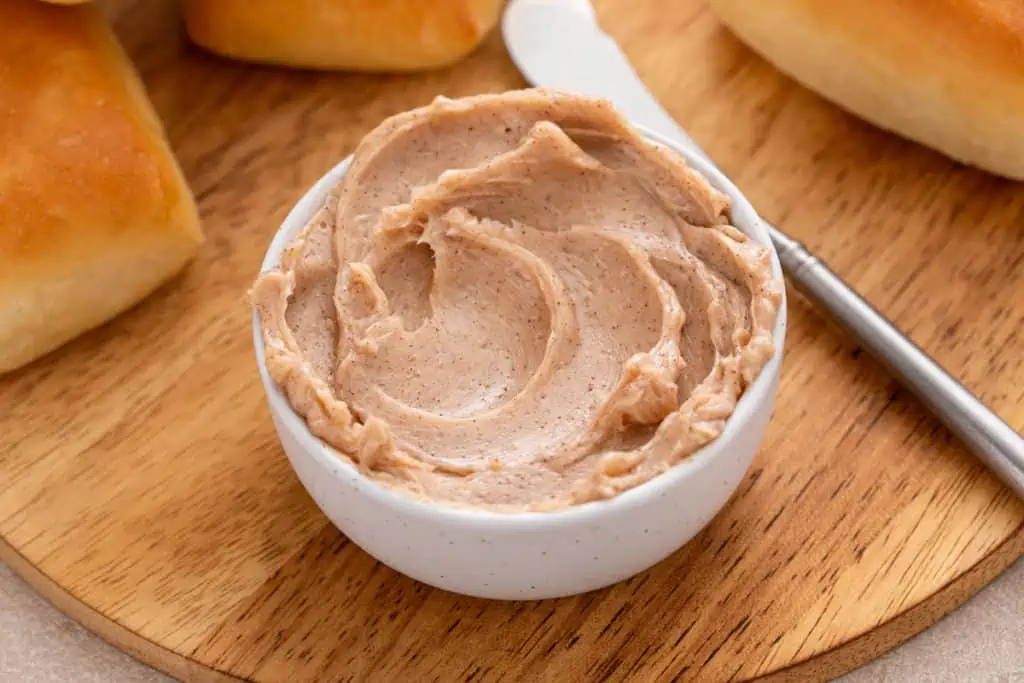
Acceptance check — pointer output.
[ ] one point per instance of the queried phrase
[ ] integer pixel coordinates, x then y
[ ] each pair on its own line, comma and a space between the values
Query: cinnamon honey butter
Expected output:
516, 302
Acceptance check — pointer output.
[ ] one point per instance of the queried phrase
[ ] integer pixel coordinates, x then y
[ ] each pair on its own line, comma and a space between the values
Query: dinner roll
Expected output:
364, 35
94, 212
946, 73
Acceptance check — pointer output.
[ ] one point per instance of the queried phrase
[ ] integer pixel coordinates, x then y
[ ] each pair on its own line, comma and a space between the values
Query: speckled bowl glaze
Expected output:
535, 554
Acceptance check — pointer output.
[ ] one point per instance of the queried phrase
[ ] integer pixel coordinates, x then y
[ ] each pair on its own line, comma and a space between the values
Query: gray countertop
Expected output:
981, 642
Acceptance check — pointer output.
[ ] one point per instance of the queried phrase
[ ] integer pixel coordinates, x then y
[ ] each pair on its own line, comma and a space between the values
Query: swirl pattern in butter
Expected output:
516, 302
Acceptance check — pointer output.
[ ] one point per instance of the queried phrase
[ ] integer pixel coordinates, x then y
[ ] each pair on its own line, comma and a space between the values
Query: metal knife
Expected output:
559, 44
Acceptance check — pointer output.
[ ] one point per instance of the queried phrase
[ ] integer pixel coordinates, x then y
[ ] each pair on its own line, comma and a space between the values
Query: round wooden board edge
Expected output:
888, 635
146, 651
828, 665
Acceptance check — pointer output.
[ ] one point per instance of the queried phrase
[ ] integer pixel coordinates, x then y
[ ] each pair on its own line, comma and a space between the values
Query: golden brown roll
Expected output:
363, 35
946, 73
94, 212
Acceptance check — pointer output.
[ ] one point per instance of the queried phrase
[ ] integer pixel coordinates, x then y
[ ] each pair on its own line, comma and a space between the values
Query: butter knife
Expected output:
559, 44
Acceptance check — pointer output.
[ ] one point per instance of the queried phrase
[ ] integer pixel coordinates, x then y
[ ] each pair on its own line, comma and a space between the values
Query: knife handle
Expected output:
991, 439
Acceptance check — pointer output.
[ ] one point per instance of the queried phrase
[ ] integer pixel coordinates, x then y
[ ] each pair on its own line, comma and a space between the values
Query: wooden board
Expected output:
143, 491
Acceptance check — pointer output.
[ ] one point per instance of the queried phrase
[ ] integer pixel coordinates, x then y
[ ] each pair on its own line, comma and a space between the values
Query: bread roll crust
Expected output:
363, 35
946, 73
94, 212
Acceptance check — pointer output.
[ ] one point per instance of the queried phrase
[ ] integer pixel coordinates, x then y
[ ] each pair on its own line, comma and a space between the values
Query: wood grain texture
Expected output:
142, 488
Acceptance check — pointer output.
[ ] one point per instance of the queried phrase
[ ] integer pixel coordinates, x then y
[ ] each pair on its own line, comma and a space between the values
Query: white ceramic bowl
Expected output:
536, 554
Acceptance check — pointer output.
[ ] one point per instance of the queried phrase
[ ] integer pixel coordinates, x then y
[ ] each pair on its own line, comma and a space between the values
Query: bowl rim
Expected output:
760, 391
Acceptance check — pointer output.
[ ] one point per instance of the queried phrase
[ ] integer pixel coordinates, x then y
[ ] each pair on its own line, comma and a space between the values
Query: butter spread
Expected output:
516, 302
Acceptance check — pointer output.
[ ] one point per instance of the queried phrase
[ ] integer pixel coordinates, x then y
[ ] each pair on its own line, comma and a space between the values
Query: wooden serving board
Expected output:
142, 488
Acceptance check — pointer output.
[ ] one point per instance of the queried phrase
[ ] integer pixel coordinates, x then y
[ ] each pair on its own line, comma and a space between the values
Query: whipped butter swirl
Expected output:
516, 302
